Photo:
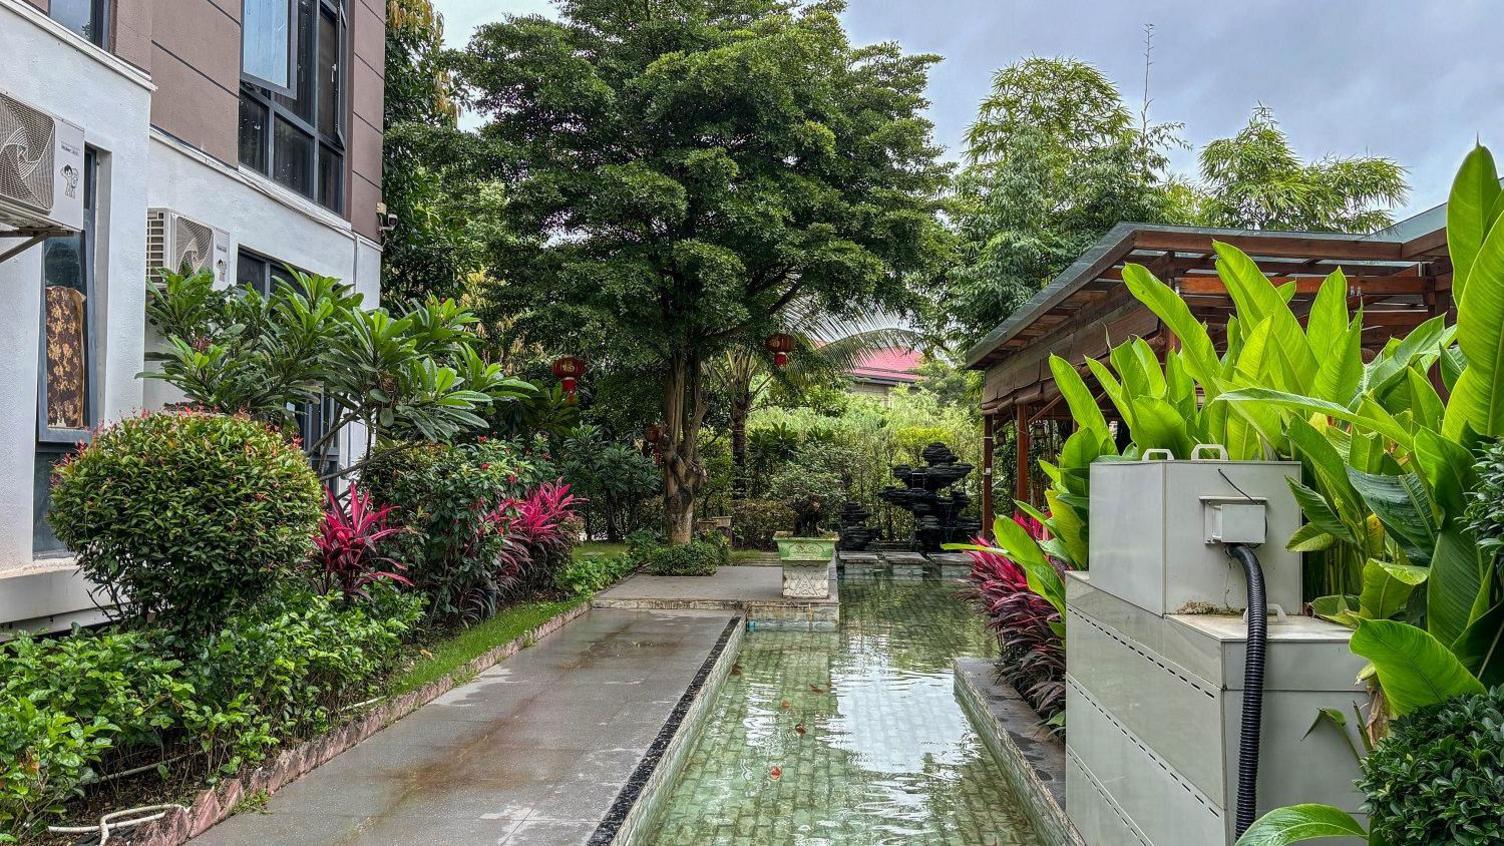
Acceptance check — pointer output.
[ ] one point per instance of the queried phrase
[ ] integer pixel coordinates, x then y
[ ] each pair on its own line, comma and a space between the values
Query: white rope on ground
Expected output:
107, 823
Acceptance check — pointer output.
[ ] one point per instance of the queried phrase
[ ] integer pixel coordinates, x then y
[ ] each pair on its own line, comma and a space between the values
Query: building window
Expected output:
266, 43
296, 133
67, 393
314, 419
89, 18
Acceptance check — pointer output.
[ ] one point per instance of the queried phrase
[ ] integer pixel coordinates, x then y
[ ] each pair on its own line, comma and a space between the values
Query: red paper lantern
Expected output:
780, 345
569, 369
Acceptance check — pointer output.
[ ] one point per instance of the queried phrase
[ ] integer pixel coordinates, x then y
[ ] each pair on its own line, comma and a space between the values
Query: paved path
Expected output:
532, 752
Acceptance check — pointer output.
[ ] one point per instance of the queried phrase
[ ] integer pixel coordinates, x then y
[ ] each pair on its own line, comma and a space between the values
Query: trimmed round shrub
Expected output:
699, 557
1438, 778
754, 522
186, 514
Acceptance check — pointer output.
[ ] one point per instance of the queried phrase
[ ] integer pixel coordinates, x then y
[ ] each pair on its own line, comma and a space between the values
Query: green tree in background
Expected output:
1054, 160
426, 252
679, 173
1254, 180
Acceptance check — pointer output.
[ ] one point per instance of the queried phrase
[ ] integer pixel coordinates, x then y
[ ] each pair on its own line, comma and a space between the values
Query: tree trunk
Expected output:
741, 405
683, 412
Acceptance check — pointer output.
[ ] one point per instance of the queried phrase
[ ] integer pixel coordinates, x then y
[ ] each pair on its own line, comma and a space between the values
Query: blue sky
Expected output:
1415, 80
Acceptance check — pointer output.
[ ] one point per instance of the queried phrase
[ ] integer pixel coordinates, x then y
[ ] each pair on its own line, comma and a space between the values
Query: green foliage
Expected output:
646, 225
44, 757
1438, 778
1299, 823
183, 515
616, 479
813, 495
445, 496
587, 574
297, 656
754, 521
1055, 160
414, 376
699, 557
1254, 180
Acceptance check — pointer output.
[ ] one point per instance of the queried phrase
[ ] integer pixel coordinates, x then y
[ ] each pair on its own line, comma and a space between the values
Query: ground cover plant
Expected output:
1031, 649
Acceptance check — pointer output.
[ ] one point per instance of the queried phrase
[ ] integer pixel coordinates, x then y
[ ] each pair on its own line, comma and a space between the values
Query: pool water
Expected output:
849, 738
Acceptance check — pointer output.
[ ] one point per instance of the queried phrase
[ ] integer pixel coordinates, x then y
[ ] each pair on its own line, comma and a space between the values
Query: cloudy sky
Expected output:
1417, 81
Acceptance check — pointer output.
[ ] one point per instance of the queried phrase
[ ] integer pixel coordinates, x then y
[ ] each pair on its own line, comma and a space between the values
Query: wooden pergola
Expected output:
1400, 277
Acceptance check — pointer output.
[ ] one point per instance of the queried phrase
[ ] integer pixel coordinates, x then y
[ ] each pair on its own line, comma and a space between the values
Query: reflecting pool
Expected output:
849, 738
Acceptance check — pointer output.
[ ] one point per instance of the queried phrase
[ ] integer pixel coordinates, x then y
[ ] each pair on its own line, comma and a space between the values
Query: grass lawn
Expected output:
741, 556
599, 549
449, 654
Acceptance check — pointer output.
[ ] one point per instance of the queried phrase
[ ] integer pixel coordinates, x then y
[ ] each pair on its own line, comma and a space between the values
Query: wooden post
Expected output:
989, 431
1021, 448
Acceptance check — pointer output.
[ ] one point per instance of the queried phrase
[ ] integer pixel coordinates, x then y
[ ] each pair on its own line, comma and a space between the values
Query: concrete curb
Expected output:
1032, 759
216, 804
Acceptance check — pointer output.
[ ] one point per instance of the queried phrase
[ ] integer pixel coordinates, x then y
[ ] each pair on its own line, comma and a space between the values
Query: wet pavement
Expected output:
533, 751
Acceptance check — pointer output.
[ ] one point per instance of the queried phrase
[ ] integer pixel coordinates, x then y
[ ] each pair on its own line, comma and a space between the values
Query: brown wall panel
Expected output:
132, 32
368, 22
363, 199
41, 4
366, 89
193, 108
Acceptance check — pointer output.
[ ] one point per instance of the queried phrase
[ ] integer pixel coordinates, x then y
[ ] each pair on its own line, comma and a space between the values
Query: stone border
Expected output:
216, 804
640, 799
1031, 758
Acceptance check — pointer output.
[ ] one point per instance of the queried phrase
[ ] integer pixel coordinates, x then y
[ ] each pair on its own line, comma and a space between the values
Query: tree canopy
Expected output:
678, 173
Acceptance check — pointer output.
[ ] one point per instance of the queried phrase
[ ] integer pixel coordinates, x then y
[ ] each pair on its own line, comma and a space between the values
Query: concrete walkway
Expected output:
754, 591
533, 751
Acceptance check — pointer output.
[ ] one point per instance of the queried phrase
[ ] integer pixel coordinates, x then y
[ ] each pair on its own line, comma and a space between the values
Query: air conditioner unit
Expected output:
181, 244
41, 168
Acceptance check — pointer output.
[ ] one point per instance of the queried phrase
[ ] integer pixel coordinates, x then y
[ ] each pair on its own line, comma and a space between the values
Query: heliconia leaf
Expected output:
1414, 668
1456, 584
1310, 538
1471, 208
1200, 353
1319, 512
1481, 647
1387, 588
1328, 318
1368, 415
1478, 398
1298, 823
1078, 397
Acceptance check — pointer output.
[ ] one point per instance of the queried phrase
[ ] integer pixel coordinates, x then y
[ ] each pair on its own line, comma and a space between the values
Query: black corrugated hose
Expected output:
1253, 687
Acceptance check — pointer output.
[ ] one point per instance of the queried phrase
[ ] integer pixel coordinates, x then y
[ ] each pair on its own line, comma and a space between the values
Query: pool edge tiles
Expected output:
636, 807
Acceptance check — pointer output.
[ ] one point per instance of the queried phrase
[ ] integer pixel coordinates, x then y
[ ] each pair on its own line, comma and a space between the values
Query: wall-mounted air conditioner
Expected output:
41, 168
181, 244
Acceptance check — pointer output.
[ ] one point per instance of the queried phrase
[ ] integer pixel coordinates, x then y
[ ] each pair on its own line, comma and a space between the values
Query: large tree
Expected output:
1054, 159
1255, 180
679, 172
427, 251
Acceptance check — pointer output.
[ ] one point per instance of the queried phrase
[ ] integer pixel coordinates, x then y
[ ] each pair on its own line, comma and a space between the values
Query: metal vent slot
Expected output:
26, 155
156, 242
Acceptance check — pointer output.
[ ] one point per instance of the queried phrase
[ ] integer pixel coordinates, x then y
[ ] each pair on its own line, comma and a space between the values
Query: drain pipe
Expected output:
1253, 686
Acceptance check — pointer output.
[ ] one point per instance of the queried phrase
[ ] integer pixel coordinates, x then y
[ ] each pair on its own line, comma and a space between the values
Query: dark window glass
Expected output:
328, 73
293, 158
85, 17
331, 175
65, 361
265, 42
252, 134
295, 135
253, 272
301, 101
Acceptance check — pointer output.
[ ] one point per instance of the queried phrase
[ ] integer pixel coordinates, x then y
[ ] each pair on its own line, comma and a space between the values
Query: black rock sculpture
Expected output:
937, 511
855, 533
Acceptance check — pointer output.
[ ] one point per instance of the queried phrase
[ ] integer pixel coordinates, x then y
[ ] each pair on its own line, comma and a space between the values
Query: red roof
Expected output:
893, 364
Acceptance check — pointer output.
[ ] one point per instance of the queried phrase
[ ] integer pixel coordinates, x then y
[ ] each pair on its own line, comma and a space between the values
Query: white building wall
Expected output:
139, 168
49, 67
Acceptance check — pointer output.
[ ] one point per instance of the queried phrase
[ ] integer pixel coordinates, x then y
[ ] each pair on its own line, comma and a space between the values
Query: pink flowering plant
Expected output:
350, 544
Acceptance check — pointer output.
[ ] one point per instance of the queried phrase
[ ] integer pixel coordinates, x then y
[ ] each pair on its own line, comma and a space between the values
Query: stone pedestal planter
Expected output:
806, 566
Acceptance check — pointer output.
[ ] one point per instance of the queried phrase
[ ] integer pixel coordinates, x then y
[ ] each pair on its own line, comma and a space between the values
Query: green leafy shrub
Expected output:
456, 553
587, 575
699, 557
813, 496
185, 514
617, 480
297, 656
1485, 502
44, 756
754, 522
1438, 778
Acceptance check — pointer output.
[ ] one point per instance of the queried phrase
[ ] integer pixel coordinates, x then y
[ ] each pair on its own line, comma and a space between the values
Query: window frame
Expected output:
99, 19
337, 144
292, 56
47, 434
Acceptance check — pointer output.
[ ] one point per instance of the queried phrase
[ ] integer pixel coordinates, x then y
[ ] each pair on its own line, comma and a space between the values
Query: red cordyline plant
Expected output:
347, 545
535, 525
1032, 655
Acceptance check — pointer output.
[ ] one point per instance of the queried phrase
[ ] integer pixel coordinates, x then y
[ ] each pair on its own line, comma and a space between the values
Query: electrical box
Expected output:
1158, 531
1153, 709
